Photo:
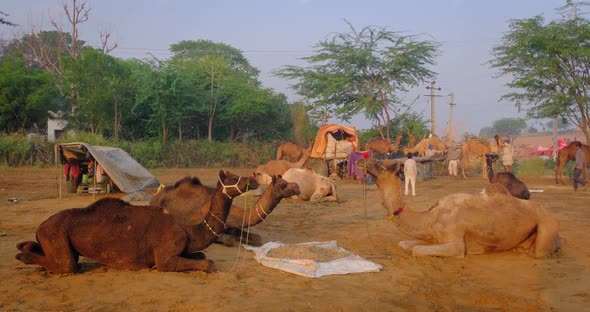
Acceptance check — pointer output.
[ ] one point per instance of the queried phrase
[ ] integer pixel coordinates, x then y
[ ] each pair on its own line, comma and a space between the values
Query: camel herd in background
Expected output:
477, 147
187, 217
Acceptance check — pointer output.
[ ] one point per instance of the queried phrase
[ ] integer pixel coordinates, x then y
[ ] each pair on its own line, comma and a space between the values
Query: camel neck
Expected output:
412, 223
213, 224
256, 213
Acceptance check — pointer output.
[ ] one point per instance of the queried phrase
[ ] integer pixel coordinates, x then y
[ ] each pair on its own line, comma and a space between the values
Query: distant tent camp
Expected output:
542, 151
124, 171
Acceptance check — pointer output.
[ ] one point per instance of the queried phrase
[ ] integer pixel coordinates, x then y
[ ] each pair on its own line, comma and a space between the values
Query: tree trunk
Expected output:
116, 126
164, 132
179, 131
210, 129
385, 112
212, 105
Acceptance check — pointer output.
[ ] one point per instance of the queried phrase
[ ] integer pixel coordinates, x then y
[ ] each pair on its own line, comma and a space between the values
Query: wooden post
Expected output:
59, 167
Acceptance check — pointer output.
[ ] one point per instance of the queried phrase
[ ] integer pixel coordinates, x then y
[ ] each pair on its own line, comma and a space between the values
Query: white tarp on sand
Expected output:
311, 268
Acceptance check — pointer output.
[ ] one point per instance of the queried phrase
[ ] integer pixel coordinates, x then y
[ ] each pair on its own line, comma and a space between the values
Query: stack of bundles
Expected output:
479, 140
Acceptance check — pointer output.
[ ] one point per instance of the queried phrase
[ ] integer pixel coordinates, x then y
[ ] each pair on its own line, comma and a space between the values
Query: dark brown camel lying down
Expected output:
184, 201
516, 187
123, 236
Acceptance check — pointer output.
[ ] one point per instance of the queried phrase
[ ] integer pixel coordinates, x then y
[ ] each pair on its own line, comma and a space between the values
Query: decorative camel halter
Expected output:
210, 228
395, 213
225, 187
259, 206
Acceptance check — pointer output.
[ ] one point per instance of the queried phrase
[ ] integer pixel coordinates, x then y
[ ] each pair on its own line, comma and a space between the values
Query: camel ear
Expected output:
390, 166
221, 174
274, 179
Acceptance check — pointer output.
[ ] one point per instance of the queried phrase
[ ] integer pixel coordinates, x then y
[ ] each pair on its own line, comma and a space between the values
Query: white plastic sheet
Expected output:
311, 268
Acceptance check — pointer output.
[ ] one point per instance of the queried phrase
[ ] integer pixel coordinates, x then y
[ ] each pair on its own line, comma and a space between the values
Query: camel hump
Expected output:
193, 180
110, 201
494, 189
107, 203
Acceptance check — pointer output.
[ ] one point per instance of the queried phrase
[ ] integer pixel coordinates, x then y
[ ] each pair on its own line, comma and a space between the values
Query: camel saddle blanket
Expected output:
479, 140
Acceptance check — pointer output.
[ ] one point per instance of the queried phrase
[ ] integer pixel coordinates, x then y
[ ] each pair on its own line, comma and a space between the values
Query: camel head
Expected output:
263, 178
381, 168
234, 185
284, 189
387, 177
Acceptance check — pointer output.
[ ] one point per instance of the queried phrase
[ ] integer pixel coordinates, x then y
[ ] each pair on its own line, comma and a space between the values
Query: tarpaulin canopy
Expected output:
547, 151
334, 133
124, 171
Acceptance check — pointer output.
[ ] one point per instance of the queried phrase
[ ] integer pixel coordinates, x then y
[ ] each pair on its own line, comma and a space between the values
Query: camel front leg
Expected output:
180, 264
30, 246
407, 245
451, 249
548, 240
559, 170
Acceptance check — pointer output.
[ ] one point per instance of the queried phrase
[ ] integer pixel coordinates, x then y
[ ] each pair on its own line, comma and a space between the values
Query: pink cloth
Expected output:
72, 169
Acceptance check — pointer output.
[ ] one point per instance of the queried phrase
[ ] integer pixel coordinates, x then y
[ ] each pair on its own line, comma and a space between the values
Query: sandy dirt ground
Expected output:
505, 281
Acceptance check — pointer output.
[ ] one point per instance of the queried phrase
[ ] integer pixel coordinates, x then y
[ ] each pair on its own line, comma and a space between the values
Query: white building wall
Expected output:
54, 125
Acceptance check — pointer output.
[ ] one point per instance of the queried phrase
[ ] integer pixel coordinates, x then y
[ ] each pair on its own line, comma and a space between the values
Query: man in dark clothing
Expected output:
580, 166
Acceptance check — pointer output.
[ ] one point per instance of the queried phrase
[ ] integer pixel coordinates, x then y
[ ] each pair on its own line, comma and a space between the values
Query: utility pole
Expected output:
451, 105
432, 113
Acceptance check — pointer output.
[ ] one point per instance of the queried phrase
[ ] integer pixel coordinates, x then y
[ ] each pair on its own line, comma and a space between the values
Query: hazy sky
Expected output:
273, 33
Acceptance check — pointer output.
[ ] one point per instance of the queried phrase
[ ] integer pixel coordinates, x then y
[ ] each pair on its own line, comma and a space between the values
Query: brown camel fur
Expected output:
278, 167
382, 146
123, 236
480, 147
292, 151
514, 186
569, 153
314, 187
422, 146
184, 201
461, 224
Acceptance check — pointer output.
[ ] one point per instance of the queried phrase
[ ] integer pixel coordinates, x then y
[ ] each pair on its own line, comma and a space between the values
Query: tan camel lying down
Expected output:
312, 186
463, 224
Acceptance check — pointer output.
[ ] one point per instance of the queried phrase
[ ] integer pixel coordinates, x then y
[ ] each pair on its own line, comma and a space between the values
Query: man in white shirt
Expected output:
410, 173
507, 156
453, 156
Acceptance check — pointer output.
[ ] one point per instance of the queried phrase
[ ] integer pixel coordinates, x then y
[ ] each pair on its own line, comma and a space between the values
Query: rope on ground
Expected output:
237, 258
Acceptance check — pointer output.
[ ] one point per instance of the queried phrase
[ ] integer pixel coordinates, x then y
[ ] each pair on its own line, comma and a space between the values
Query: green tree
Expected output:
216, 66
548, 64
26, 95
562, 124
486, 132
161, 92
98, 78
362, 71
507, 127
